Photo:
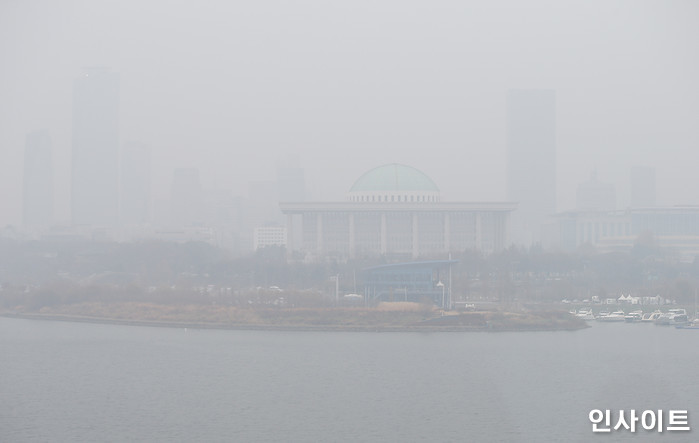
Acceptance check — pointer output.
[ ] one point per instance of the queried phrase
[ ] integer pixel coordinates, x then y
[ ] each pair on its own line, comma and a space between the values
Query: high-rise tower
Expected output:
95, 157
531, 160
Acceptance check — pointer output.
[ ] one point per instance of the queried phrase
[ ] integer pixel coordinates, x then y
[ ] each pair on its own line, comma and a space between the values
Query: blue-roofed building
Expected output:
411, 281
395, 211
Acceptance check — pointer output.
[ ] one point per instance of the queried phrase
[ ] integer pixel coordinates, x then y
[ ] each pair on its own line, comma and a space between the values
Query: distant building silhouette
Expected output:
269, 236
187, 198
674, 229
37, 193
95, 156
531, 160
222, 209
642, 187
135, 184
594, 195
223, 213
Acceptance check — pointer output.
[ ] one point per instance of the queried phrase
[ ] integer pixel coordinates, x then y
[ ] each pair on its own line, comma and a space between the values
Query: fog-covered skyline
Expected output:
233, 89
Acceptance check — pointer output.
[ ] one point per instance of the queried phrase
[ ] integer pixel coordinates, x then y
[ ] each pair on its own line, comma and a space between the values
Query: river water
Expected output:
62, 381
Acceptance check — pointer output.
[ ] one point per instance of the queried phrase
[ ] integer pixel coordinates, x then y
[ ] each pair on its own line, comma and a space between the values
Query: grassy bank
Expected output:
385, 317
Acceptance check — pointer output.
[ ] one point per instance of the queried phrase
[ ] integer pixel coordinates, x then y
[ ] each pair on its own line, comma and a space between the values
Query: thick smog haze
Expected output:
237, 88
350, 221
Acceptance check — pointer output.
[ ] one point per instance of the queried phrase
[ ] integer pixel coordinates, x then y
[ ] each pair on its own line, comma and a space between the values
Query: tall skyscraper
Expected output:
38, 180
95, 157
642, 187
135, 184
531, 160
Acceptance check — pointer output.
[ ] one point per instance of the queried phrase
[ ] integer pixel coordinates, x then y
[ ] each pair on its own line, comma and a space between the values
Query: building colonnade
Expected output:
357, 231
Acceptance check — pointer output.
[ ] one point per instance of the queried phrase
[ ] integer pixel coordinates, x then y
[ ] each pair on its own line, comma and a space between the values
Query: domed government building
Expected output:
397, 211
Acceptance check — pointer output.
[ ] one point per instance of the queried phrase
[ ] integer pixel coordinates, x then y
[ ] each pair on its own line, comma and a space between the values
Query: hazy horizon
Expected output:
233, 89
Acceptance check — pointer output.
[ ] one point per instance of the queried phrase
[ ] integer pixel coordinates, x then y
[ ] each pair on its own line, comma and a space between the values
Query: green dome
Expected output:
394, 177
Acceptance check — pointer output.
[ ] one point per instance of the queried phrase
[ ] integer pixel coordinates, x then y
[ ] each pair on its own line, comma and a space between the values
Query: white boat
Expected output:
678, 317
651, 316
694, 324
673, 317
614, 316
633, 317
585, 314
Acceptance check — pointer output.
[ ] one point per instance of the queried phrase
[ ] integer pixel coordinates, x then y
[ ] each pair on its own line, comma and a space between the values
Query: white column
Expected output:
447, 232
416, 237
289, 234
351, 236
383, 234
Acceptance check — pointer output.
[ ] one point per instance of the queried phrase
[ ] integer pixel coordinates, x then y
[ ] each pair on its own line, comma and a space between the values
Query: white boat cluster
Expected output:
673, 317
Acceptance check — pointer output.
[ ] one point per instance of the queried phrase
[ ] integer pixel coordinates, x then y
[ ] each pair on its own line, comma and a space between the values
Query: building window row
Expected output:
395, 198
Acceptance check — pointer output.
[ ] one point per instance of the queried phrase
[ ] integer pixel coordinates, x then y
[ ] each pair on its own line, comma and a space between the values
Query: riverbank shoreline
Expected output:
302, 321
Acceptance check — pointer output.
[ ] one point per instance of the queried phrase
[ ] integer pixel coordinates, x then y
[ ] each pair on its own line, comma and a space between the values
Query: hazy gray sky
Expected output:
234, 87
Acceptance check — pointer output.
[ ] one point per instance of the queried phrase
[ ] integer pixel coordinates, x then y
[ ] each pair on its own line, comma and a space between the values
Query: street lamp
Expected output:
441, 285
